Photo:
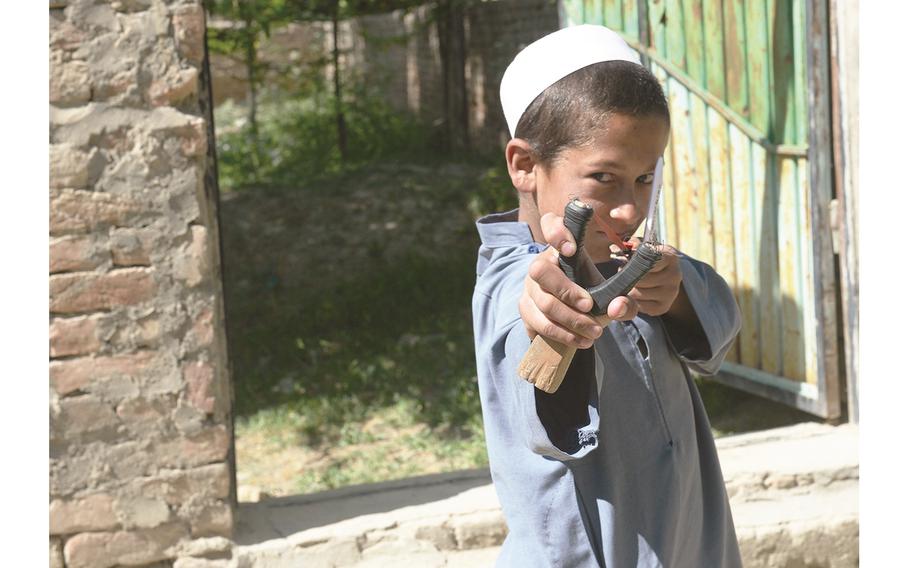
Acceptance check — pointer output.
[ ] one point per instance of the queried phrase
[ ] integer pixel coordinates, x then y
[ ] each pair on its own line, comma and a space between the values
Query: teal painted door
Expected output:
748, 179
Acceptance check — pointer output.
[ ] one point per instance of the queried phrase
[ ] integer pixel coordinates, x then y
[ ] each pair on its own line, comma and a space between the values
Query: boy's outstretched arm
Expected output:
563, 424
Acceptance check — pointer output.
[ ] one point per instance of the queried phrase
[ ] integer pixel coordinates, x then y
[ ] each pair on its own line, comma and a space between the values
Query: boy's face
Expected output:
613, 174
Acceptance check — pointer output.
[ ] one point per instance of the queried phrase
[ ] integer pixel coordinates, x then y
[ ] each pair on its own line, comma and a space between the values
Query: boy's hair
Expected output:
568, 112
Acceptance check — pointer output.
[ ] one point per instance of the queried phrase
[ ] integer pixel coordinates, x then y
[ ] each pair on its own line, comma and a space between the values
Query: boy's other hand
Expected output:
657, 292
555, 307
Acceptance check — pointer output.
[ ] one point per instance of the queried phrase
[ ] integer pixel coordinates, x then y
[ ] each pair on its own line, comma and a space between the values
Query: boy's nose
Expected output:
624, 212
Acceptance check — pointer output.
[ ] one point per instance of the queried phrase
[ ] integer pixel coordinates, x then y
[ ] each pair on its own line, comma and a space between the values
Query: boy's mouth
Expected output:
619, 239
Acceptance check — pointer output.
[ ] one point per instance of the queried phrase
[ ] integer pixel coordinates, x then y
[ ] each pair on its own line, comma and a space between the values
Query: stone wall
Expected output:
140, 401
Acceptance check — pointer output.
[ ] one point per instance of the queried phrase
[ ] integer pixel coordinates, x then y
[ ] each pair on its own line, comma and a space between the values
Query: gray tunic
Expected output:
617, 468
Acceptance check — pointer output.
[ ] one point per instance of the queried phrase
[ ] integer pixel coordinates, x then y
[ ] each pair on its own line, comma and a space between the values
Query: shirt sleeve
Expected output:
563, 425
719, 320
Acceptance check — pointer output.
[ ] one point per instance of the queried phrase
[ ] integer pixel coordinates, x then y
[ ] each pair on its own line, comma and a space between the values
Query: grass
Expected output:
349, 322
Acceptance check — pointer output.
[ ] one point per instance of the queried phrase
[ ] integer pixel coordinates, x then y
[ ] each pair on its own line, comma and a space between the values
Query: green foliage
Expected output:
368, 345
249, 21
391, 331
298, 138
494, 191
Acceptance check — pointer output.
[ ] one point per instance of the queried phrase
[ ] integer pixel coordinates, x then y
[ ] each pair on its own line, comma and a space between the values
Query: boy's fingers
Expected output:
559, 313
622, 308
545, 272
536, 323
669, 256
556, 235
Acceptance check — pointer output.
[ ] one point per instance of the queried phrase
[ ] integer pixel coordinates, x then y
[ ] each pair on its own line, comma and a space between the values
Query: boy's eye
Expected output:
647, 178
602, 177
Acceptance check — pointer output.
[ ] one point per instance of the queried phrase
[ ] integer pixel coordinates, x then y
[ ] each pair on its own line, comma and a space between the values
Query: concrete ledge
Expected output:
794, 495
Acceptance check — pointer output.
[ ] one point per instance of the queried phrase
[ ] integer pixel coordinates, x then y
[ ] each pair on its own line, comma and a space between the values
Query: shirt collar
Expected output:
504, 229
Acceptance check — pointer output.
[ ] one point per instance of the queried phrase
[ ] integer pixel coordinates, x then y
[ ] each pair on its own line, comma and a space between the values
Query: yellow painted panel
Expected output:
808, 299
684, 169
741, 185
724, 242
790, 269
765, 251
701, 181
670, 235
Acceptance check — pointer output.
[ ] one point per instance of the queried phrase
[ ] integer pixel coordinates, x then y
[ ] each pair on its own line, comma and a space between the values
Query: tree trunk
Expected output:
455, 100
250, 59
339, 111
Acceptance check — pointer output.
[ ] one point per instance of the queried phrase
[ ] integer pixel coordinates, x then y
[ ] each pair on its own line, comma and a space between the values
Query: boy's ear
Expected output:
522, 165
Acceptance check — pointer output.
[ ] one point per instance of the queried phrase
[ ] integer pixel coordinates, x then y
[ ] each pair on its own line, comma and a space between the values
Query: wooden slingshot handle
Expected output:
545, 363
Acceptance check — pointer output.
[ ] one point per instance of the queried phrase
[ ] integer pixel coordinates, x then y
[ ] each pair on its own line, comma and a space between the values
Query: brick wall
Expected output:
140, 401
496, 32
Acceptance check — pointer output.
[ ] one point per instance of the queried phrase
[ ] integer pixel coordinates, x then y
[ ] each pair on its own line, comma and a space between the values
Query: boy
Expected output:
618, 467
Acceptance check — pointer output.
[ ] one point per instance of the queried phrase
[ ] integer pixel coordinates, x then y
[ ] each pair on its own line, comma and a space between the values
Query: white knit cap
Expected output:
551, 58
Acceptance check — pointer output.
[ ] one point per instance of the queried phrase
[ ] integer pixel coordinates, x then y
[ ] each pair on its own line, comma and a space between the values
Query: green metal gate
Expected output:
748, 181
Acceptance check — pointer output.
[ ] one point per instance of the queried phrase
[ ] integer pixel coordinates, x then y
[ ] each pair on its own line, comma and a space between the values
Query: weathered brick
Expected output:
173, 89
77, 211
69, 82
194, 562
75, 293
192, 264
72, 253
131, 334
63, 34
204, 447
199, 377
140, 414
478, 530
91, 513
94, 17
56, 553
188, 419
210, 548
116, 88
214, 519
189, 30
194, 139
74, 336
72, 167
83, 373
86, 469
202, 333
131, 459
176, 487
131, 247
106, 549
140, 511
85, 418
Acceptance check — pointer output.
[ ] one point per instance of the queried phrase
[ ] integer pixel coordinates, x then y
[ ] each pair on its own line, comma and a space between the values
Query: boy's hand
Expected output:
659, 290
555, 307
